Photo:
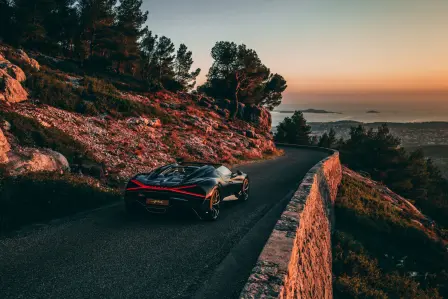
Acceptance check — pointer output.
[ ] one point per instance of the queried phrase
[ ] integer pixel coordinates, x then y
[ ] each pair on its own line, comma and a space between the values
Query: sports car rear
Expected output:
161, 199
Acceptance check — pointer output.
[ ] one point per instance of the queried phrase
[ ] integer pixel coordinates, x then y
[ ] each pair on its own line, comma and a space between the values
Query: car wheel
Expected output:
244, 193
213, 206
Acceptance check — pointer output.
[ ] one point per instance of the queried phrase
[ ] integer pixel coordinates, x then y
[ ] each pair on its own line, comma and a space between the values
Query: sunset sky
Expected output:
320, 45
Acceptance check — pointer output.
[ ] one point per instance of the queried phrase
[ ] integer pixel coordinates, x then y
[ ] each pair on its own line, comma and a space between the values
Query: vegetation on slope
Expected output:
108, 37
379, 251
29, 132
379, 153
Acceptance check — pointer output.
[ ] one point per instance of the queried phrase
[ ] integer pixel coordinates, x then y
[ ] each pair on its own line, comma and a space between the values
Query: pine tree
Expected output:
6, 14
332, 140
183, 64
130, 20
273, 89
293, 130
323, 140
239, 75
158, 55
328, 140
62, 26
148, 68
30, 17
97, 28
164, 58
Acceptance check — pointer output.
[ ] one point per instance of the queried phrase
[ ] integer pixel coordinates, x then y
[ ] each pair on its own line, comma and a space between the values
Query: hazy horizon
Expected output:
392, 106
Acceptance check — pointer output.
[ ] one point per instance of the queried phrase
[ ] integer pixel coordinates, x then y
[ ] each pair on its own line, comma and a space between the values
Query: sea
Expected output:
367, 113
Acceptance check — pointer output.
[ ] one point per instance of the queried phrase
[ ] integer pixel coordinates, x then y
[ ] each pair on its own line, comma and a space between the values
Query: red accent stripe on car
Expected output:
160, 188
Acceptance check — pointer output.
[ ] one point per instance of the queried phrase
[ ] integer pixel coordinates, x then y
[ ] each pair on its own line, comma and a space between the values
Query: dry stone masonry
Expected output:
296, 262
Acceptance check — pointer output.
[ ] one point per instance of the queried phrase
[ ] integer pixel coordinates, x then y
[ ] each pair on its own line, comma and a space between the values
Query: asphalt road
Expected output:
106, 254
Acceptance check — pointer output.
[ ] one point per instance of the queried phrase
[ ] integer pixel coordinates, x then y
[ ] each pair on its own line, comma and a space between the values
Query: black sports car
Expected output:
201, 187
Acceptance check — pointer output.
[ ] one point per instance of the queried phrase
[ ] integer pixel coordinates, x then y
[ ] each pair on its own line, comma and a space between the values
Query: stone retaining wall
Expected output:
296, 262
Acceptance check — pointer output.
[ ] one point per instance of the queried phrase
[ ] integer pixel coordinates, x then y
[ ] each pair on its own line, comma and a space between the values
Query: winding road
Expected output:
105, 254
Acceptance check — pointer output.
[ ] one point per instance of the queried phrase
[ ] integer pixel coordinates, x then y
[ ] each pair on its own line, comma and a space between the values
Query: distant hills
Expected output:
349, 123
317, 111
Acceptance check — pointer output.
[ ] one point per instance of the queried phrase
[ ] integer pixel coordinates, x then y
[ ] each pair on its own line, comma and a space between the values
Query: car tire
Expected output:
244, 193
211, 211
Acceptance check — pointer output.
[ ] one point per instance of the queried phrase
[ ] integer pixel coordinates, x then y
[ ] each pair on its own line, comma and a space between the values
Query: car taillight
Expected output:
135, 185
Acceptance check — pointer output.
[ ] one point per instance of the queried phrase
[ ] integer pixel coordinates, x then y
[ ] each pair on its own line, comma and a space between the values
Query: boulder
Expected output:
155, 123
12, 70
4, 148
10, 89
34, 64
90, 168
22, 58
259, 116
28, 160
138, 121
6, 125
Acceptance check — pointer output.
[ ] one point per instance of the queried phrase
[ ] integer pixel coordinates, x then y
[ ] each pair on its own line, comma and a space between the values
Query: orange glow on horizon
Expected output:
429, 82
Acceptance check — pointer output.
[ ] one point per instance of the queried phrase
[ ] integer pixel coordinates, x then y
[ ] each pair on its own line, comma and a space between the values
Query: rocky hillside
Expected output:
384, 247
56, 120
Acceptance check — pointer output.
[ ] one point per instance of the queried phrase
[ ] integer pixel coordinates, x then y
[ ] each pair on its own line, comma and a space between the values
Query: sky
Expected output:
324, 47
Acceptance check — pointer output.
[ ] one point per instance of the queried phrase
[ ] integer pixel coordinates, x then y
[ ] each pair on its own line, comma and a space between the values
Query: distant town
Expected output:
431, 137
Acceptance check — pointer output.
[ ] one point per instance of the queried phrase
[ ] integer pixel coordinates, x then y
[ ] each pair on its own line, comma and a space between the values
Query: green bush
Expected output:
43, 196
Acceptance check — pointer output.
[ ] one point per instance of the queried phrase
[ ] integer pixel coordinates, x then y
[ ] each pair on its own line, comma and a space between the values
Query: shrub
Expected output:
372, 235
52, 91
97, 86
43, 196
30, 132
358, 275
94, 97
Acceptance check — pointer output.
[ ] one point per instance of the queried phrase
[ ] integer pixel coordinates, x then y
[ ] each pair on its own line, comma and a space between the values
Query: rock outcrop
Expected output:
10, 89
12, 70
26, 160
10, 77
4, 148
259, 116
20, 57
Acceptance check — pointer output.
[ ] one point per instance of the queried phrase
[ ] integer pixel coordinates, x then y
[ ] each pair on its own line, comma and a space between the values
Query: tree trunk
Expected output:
235, 107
